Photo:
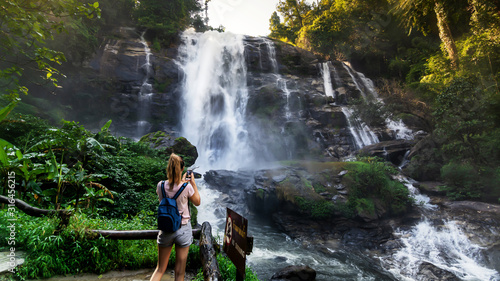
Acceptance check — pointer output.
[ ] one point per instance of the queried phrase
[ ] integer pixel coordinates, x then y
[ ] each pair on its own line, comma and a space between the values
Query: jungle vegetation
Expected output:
434, 60
437, 60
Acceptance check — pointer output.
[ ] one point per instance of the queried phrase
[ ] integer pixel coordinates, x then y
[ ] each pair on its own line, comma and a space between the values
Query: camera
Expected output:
188, 174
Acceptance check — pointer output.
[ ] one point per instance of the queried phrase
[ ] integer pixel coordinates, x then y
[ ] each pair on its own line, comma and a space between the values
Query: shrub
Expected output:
371, 181
462, 181
228, 270
318, 209
73, 250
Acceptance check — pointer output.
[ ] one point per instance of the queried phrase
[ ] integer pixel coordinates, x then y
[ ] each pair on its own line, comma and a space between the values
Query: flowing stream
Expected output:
274, 250
442, 243
145, 92
215, 96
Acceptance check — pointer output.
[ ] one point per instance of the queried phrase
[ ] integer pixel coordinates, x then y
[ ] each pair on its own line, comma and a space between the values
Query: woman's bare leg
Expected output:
181, 255
163, 256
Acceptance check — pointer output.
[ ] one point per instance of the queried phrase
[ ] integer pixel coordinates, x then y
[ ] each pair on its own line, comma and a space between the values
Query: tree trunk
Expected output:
65, 214
445, 33
208, 256
132, 234
33, 211
297, 12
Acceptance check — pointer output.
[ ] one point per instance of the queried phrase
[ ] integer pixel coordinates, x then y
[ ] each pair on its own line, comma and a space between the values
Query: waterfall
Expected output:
145, 92
361, 133
215, 96
281, 83
336, 77
325, 71
354, 80
272, 55
399, 129
367, 84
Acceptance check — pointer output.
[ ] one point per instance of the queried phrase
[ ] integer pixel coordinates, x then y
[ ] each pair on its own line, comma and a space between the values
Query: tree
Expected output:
166, 18
25, 27
293, 12
415, 13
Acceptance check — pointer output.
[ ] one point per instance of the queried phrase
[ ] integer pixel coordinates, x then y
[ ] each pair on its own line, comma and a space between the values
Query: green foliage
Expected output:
373, 113
465, 181
228, 270
26, 27
318, 209
462, 119
73, 251
371, 181
164, 19
462, 181
125, 205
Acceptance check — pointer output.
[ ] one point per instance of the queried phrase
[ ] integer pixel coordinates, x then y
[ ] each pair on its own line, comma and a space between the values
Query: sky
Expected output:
242, 16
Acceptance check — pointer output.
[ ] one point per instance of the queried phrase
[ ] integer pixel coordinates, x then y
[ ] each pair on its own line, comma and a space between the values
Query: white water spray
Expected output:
215, 96
327, 79
145, 92
446, 247
399, 129
361, 133
272, 54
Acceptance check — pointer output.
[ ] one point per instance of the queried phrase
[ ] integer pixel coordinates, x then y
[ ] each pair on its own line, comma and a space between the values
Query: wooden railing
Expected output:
207, 250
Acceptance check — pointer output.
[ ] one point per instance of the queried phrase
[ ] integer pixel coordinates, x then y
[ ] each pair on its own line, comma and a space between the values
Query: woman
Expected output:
183, 237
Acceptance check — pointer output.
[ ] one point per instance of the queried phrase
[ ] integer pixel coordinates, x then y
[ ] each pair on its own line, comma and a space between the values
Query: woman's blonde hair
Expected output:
175, 168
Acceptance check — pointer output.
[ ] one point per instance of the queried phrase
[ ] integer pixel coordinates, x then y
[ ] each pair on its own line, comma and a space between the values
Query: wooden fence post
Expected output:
208, 255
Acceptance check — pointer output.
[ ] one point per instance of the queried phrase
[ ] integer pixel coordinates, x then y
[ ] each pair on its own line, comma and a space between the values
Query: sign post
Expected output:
235, 243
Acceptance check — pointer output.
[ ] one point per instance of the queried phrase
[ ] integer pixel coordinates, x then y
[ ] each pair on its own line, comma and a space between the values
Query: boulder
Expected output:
430, 188
393, 151
429, 272
295, 273
224, 180
180, 145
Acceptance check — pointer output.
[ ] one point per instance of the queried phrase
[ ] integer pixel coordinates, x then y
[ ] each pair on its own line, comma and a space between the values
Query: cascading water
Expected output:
444, 245
145, 93
354, 80
327, 80
272, 55
400, 130
281, 83
215, 97
361, 133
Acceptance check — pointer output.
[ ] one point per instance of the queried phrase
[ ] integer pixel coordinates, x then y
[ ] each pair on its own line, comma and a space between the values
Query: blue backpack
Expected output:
169, 219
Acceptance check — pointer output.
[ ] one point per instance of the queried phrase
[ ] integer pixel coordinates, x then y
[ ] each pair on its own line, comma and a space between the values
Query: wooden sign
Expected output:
235, 241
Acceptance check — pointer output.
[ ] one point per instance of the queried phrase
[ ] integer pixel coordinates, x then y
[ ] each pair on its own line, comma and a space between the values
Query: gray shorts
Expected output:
182, 238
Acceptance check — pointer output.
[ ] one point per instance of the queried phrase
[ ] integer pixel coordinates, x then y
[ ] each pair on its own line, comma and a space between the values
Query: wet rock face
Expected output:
393, 151
295, 273
273, 193
287, 106
430, 272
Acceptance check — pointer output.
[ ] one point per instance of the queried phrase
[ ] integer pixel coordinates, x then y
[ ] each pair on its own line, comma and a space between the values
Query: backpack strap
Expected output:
163, 189
180, 191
